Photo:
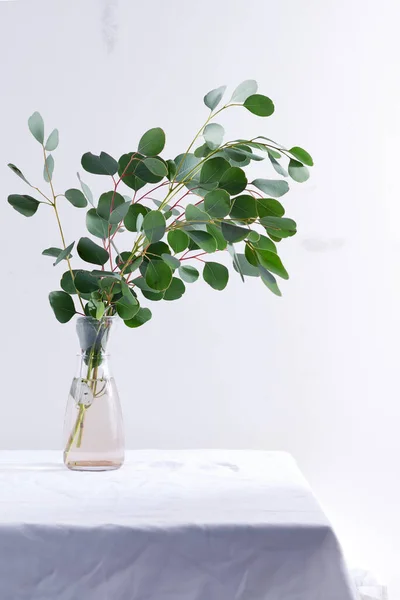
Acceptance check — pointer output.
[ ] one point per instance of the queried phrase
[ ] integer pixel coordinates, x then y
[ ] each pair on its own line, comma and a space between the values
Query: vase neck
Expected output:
94, 335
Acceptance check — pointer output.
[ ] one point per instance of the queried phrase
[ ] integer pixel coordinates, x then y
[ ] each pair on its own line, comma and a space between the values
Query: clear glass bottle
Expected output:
93, 427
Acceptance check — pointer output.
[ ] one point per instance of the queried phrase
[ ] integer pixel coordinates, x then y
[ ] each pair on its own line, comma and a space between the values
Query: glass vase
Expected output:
93, 427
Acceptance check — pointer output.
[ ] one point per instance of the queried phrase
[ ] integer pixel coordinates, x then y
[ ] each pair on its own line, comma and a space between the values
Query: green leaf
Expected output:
104, 164
54, 252
188, 273
36, 127
52, 141
171, 169
156, 166
134, 211
152, 142
67, 283
86, 190
251, 255
178, 240
203, 239
171, 261
253, 236
232, 251
272, 187
158, 275
100, 309
233, 233
244, 207
142, 316
96, 225
185, 164
245, 267
280, 227
217, 234
269, 207
26, 205
244, 90
127, 167
17, 172
119, 213
196, 217
62, 305
127, 306
213, 170
217, 203
241, 154
259, 105
85, 282
154, 226
175, 290
48, 168
277, 166
298, 171
270, 281
91, 252
147, 175
64, 254
76, 197
213, 98
272, 262
108, 202
264, 243
301, 155
202, 151
213, 135
216, 275
233, 181
128, 265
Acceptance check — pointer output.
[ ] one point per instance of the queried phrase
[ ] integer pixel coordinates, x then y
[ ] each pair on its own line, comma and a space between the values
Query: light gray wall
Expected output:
316, 372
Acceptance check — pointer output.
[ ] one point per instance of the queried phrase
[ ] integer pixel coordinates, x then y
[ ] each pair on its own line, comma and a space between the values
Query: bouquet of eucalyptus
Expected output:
179, 214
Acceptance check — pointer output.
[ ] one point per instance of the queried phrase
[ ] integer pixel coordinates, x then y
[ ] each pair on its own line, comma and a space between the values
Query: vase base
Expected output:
93, 465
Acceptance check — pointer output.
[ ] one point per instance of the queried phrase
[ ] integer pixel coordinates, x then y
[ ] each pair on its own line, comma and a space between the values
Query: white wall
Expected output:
315, 372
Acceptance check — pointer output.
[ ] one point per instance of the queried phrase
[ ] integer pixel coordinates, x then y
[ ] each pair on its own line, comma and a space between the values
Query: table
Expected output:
170, 525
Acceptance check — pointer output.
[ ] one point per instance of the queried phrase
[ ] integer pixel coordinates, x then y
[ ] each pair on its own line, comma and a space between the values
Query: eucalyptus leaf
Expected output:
301, 155
259, 105
269, 207
213, 134
272, 187
175, 290
244, 90
203, 239
127, 170
270, 281
213, 98
158, 275
91, 252
119, 213
64, 254
213, 170
277, 166
233, 181
233, 233
186, 165
152, 142
86, 190
216, 232
154, 226
104, 164
217, 203
280, 227
216, 275
85, 282
245, 267
54, 252
52, 141
244, 207
127, 306
172, 262
131, 218
17, 172
26, 205
36, 127
48, 168
96, 225
298, 171
142, 316
171, 169
108, 202
76, 197
156, 166
178, 240
188, 273
62, 305
272, 262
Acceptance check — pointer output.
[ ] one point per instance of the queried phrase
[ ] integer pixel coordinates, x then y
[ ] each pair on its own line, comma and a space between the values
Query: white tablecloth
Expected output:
170, 525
